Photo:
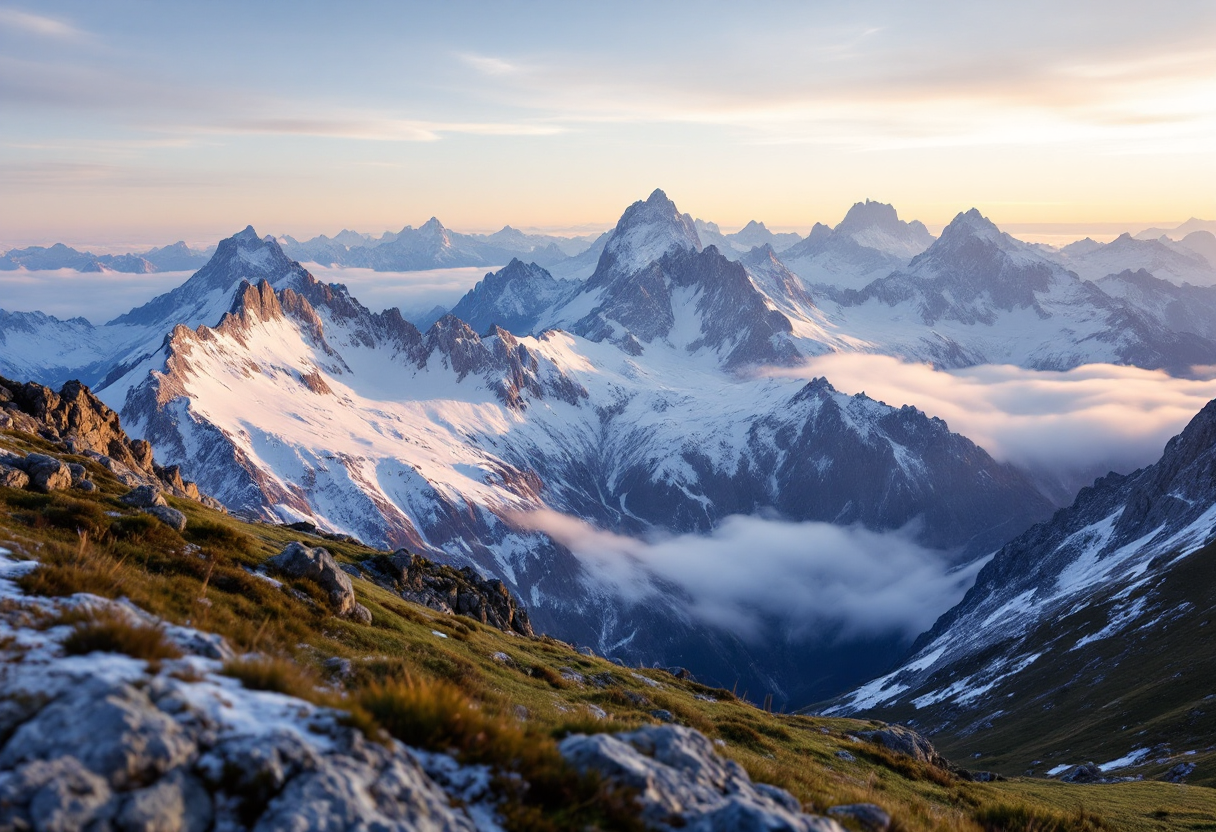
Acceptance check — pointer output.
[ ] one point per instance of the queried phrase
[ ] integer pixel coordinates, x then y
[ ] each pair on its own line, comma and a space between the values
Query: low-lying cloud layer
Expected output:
96, 296
1068, 425
816, 581
103, 296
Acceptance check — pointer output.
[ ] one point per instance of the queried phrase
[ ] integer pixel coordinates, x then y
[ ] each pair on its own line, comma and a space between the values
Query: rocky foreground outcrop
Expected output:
453, 591
83, 425
109, 742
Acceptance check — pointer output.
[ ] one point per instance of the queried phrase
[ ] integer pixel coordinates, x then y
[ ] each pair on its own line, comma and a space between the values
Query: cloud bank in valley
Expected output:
103, 296
815, 581
1069, 425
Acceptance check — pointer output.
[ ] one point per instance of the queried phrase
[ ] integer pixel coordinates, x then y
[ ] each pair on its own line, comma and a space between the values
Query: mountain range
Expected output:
631, 400
177, 257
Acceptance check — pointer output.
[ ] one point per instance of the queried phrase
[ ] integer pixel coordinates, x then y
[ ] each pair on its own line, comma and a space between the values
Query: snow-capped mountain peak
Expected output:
877, 225
646, 231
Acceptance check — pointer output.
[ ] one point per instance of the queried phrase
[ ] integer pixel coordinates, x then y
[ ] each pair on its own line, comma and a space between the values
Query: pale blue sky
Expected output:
149, 121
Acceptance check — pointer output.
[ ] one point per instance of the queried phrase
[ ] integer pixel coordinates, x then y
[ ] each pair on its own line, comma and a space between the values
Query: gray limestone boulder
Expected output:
369, 788
47, 473
11, 477
903, 740
175, 803
143, 496
58, 794
868, 816
114, 730
318, 565
682, 783
171, 517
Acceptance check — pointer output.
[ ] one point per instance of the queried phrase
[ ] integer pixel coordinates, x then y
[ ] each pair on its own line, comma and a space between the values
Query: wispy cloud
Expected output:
39, 25
1070, 426
487, 64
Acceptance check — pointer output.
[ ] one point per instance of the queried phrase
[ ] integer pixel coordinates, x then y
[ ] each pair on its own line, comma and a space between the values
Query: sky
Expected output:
135, 122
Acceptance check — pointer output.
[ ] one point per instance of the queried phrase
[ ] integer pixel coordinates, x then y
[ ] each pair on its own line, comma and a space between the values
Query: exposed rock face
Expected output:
682, 783
870, 817
511, 298
84, 425
106, 755
318, 565
449, 590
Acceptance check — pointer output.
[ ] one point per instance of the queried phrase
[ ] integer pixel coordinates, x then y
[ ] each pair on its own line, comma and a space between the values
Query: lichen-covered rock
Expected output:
171, 517
682, 783
318, 565
113, 730
144, 496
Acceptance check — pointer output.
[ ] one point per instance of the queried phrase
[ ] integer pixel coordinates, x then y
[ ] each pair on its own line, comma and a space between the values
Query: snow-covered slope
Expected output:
1168, 262
512, 298
50, 350
979, 296
870, 242
1080, 616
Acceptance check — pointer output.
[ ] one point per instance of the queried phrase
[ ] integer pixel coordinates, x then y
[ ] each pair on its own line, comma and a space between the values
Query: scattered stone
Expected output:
448, 590
681, 673
1085, 773
171, 517
46, 473
339, 666
572, 675
867, 815
501, 657
597, 712
360, 614
87, 486
78, 471
903, 740
637, 699
846, 756
980, 776
318, 565
681, 782
13, 477
663, 715
521, 713
1179, 773
587, 651
143, 496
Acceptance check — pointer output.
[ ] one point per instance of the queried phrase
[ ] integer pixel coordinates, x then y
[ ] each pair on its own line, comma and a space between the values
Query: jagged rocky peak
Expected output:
79, 423
646, 231
512, 297
877, 225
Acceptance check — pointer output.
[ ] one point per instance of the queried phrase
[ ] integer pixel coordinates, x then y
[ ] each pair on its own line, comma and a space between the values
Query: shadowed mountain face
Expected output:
1087, 625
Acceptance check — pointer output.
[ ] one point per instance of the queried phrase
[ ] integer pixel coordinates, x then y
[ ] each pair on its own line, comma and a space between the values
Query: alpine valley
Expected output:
624, 389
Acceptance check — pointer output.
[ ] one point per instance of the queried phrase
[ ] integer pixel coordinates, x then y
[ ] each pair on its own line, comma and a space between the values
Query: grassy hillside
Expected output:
443, 681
